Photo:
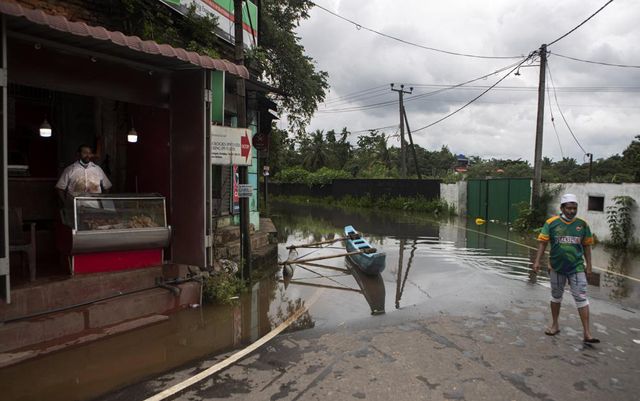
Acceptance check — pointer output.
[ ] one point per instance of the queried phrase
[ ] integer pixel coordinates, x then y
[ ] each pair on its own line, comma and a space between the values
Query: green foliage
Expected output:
298, 175
152, 21
293, 175
532, 218
480, 168
325, 175
222, 287
281, 59
620, 219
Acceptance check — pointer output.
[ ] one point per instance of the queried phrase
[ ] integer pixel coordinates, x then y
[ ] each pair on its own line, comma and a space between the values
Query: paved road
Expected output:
476, 335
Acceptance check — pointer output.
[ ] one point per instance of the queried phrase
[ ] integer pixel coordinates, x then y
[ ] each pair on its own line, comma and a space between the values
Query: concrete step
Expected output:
57, 327
11, 358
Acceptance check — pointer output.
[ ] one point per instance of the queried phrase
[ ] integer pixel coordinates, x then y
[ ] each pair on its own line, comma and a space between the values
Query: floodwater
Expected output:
419, 251
415, 244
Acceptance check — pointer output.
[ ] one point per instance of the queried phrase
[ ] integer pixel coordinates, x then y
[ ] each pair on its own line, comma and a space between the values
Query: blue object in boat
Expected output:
370, 261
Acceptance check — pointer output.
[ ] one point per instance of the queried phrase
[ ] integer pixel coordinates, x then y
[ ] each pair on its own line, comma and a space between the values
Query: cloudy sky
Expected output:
600, 103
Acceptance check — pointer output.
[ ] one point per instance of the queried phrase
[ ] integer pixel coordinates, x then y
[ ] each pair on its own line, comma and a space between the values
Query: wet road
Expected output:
464, 320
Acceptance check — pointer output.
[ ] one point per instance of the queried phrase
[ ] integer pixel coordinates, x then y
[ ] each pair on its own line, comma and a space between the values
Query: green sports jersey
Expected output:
568, 239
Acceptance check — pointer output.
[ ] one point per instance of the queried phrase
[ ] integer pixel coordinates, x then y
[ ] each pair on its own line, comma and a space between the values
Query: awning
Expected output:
38, 24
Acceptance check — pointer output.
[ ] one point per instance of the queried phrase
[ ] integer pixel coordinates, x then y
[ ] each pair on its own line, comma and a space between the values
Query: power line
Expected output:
596, 62
360, 26
374, 129
475, 98
580, 24
553, 122
423, 95
561, 113
362, 98
356, 94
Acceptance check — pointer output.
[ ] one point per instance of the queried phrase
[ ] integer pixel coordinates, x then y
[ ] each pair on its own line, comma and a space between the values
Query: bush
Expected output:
222, 287
620, 219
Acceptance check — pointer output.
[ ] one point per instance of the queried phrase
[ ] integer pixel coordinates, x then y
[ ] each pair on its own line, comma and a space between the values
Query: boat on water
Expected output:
369, 260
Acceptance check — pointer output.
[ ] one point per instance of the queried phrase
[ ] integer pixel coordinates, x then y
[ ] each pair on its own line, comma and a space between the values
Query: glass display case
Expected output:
104, 222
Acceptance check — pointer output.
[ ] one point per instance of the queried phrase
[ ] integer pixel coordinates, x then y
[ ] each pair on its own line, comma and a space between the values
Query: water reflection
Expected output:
87, 371
415, 244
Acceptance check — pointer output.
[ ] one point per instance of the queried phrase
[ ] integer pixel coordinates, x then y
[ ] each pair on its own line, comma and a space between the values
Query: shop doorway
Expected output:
35, 162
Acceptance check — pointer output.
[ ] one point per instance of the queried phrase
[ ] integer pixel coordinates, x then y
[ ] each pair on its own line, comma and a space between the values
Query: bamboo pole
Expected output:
331, 287
326, 267
329, 241
297, 261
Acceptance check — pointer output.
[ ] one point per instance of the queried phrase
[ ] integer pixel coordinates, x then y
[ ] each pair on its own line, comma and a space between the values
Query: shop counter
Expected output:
105, 232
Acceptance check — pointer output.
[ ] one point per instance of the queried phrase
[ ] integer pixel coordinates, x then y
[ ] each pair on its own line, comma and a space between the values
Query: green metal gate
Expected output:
497, 199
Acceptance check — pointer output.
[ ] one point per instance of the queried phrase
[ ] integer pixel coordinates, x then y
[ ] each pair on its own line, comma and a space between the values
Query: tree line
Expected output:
321, 156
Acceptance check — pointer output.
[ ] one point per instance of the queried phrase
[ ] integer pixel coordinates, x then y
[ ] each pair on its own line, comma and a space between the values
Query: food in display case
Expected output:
116, 222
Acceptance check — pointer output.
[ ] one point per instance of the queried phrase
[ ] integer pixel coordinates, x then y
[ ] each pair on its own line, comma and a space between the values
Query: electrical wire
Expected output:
555, 95
357, 94
423, 95
596, 62
475, 98
360, 26
553, 122
580, 24
373, 129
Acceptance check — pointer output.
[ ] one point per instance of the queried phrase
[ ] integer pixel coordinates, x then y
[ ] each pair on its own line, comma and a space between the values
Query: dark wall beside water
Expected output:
429, 189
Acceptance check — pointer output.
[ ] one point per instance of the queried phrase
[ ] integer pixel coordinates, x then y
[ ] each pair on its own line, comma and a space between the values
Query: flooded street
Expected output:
463, 319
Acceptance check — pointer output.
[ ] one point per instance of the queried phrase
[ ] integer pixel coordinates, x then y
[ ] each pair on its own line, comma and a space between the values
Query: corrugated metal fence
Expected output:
497, 199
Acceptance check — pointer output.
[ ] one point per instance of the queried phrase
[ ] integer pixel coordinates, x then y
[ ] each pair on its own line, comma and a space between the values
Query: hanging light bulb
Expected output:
132, 136
45, 129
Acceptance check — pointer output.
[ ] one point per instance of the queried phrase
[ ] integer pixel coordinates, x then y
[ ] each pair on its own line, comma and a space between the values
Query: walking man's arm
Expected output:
587, 257
542, 246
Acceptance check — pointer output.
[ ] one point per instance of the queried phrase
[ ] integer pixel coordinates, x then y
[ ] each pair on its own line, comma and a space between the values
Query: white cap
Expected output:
566, 198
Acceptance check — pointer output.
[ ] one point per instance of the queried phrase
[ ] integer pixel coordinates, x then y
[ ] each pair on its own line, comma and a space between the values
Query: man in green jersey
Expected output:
571, 241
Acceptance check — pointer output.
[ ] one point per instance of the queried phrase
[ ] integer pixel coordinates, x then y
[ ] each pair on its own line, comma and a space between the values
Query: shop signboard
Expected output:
222, 10
245, 190
230, 146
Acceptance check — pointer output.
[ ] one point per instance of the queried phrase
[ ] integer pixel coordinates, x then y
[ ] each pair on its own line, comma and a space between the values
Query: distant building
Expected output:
462, 163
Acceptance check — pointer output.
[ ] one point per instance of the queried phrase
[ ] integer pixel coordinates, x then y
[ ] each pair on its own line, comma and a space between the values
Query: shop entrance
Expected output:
36, 160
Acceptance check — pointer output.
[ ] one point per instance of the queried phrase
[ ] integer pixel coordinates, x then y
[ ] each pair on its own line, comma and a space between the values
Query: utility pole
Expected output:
413, 148
403, 158
537, 161
245, 239
590, 165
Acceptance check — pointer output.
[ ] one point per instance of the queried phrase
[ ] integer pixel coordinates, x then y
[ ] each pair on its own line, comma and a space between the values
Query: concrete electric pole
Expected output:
537, 161
403, 146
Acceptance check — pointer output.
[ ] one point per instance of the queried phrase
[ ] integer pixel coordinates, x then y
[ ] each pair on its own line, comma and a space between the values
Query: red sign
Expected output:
260, 141
245, 146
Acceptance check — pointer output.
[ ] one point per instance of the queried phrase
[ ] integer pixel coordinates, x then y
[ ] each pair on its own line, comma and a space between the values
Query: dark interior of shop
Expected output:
35, 163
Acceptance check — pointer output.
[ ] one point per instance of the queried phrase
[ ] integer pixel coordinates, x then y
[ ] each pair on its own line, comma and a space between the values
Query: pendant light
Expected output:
132, 136
45, 129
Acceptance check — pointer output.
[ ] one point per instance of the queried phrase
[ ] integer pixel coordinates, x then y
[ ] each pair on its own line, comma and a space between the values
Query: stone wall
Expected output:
598, 219
455, 194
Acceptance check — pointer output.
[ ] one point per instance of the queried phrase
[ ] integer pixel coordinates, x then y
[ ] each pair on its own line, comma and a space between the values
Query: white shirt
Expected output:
78, 179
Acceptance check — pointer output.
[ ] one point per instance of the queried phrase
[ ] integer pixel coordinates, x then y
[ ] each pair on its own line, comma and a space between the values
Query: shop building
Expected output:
147, 110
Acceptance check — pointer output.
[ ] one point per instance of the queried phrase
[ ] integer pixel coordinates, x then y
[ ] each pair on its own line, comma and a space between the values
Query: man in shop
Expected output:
83, 176
571, 241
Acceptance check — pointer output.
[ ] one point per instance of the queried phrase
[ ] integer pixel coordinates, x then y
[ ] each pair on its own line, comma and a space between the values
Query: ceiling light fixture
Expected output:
45, 129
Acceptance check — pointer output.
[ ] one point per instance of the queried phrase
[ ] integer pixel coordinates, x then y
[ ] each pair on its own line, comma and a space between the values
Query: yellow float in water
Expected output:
480, 221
